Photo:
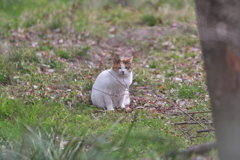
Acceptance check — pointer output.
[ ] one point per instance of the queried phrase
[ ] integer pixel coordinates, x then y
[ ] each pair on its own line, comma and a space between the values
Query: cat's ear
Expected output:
130, 59
115, 59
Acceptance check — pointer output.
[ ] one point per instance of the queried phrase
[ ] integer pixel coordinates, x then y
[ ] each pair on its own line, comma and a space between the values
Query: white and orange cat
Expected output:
110, 89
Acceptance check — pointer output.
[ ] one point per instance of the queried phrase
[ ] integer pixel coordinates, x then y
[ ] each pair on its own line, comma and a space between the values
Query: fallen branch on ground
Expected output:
201, 149
181, 123
187, 134
180, 113
205, 130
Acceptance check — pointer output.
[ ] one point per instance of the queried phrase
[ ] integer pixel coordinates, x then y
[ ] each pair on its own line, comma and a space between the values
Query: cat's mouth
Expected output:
123, 74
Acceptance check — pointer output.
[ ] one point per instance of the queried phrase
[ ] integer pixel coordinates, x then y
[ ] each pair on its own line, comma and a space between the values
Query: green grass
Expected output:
51, 121
50, 55
191, 91
150, 20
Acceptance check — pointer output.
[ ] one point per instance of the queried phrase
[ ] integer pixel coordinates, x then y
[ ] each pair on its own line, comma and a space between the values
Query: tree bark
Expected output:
219, 29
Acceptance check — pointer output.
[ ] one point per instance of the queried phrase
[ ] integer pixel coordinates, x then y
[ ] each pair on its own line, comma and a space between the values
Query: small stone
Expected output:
50, 70
60, 41
139, 107
39, 54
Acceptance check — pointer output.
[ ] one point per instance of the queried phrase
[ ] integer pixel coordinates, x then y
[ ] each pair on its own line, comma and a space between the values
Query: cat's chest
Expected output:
117, 84
120, 82
111, 82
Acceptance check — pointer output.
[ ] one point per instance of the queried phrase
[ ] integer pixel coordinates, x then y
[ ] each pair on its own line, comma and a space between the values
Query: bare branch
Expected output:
205, 130
201, 149
183, 132
181, 123
187, 114
180, 113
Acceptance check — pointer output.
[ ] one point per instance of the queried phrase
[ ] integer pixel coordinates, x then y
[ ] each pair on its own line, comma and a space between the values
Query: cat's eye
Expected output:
119, 67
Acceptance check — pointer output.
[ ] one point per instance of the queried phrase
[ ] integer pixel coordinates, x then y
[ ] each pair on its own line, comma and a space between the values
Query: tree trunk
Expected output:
219, 29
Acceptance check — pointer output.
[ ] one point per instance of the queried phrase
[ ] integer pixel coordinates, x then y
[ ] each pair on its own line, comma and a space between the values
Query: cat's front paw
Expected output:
110, 108
122, 106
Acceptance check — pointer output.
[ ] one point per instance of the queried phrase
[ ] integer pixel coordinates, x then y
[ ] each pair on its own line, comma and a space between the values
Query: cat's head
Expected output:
122, 66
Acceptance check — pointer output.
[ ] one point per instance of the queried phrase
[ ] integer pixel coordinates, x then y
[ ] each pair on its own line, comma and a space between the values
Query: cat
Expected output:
110, 89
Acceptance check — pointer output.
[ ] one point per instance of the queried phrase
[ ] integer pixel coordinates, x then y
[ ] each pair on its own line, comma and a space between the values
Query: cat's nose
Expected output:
122, 72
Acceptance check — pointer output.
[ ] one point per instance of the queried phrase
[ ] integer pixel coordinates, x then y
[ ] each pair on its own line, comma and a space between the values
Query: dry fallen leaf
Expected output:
163, 87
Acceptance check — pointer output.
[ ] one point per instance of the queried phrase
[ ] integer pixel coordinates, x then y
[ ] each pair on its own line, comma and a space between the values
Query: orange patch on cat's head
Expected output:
117, 63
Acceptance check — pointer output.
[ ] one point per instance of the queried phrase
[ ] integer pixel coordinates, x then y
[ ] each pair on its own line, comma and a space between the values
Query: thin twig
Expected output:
182, 123
180, 113
206, 130
192, 136
181, 130
197, 149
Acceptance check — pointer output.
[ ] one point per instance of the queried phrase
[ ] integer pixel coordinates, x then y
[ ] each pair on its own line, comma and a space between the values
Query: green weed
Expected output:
82, 52
54, 64
189, 55
153, 64
150, 20
63, 54
4, 78
191, 91
177, 3
55, 23
45, 47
